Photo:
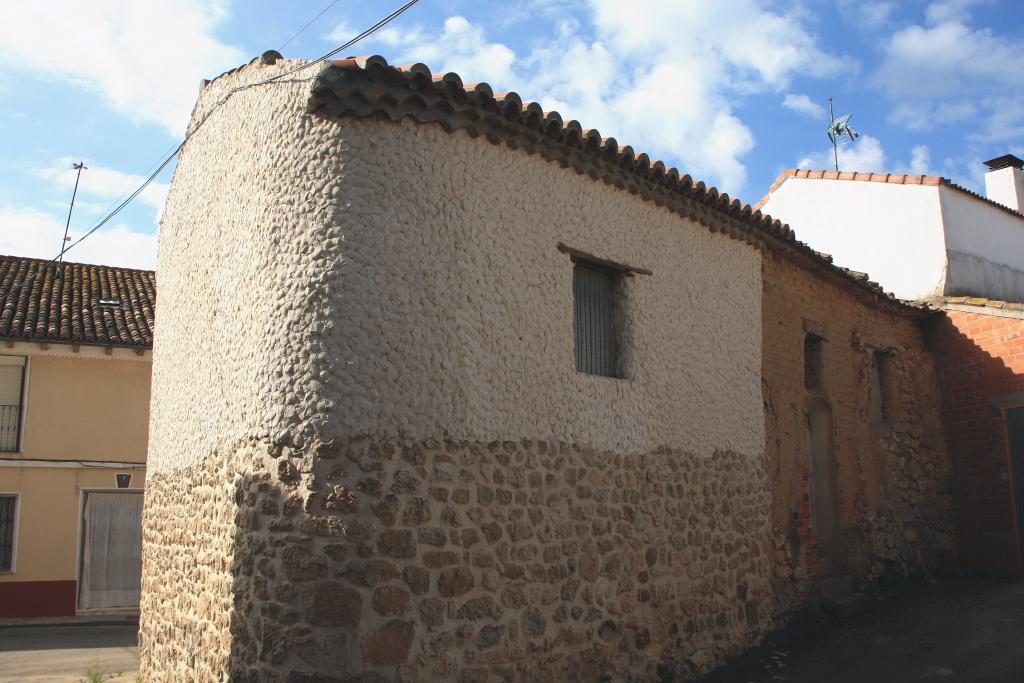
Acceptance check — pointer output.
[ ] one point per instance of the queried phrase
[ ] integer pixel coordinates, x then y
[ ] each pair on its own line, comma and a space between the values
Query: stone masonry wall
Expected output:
375, 560
894, 478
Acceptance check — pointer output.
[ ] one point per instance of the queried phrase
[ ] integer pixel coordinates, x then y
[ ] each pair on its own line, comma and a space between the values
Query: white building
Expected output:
918, 236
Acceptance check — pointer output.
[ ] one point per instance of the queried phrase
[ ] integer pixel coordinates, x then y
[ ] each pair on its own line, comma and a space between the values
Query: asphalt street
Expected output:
62, 654
963, 630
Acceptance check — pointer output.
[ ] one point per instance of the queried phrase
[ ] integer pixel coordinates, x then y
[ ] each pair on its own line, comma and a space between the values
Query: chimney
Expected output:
1004, 183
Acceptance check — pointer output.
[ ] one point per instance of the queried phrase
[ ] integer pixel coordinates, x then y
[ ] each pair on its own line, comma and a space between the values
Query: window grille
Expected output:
12, 377
595, 297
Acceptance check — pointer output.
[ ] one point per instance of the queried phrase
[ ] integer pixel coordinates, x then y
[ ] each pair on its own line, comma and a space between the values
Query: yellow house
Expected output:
75, 356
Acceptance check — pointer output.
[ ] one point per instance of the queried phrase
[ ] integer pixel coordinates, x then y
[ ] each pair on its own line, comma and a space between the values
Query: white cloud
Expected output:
949, 10
865, 155
867, 14
461, 47
920, 161
37, 234
944, 71
105, 183
659, 76
144, 58
802, 104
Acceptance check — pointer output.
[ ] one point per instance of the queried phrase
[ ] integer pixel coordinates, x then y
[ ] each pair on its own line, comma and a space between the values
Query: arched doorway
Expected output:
824, 488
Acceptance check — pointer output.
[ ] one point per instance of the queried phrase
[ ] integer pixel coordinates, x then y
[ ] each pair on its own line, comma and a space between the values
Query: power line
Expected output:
308, 24
66, 248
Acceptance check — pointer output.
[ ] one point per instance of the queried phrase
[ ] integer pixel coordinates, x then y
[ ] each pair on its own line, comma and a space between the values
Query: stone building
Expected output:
475, 394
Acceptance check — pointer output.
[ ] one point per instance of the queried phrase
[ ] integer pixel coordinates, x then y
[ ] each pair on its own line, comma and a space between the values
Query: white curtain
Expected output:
112, 551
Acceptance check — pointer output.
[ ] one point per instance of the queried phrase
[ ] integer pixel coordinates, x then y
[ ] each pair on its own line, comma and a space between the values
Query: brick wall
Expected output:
893, 477
980, 358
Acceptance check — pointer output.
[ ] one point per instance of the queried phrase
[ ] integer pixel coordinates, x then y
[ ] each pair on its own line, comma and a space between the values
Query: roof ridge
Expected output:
891, 178
36, 259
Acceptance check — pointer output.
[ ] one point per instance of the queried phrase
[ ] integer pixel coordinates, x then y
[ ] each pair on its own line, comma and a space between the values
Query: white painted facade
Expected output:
916, 240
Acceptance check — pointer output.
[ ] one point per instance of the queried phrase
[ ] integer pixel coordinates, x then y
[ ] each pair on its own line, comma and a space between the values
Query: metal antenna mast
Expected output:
831, 126
839, 132
78, 167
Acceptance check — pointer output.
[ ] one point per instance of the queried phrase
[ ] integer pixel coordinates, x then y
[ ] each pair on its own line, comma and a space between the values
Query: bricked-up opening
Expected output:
595, 290
879, 387
812, 361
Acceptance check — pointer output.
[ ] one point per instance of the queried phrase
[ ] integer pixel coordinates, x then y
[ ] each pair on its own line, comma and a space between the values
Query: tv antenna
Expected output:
839, 132
77, 166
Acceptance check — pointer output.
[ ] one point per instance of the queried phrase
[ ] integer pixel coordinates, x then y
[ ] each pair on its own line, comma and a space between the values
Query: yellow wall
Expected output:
86, 408
47, 547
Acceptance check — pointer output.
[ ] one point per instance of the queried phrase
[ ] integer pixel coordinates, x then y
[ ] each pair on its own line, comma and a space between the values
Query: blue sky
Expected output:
731, 91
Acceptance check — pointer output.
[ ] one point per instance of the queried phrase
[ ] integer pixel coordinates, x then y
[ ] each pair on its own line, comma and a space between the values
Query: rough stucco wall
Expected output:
894, 479
329, 281
398, 279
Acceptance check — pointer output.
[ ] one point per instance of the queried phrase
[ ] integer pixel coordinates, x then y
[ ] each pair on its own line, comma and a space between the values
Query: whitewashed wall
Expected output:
985, 247
892, 232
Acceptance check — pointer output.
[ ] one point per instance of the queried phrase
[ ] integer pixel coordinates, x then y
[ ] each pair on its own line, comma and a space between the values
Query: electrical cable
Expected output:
308, 24
66, 248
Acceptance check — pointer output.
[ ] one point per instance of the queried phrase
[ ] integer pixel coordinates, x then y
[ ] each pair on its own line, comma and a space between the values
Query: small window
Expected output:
595, 294
879, 372
8, 530
812, 361
12, 380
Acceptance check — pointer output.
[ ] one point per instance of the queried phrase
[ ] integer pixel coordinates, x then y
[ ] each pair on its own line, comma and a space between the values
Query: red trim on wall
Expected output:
37, 598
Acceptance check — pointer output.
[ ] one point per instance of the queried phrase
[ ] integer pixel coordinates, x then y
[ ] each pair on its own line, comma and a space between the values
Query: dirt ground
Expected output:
963, 630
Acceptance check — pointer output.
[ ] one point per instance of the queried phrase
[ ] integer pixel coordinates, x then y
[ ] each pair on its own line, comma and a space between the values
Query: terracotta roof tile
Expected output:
893, 178
939, 301
76, 303
365, 87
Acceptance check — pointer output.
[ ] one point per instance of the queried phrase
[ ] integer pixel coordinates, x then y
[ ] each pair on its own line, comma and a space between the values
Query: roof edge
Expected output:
890, 178
369, 87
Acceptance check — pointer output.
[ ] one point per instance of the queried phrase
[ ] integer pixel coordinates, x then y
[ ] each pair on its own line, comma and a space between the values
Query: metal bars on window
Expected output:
594, 297
12, 379
8, 514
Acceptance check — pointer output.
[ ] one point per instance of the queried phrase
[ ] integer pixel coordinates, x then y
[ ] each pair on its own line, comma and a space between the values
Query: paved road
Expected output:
962, 631
62, 654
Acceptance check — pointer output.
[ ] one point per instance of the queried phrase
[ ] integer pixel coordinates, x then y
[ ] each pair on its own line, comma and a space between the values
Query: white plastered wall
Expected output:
322, 278
892, 232
985, 248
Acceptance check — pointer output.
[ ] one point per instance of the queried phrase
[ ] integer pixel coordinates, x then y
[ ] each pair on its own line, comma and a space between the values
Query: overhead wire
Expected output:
308, 24
167, 160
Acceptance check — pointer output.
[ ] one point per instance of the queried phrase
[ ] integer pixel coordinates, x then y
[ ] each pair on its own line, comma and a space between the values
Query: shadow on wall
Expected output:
971, 379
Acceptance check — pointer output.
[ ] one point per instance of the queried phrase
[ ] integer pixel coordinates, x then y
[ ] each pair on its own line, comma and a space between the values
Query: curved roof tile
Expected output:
74, 303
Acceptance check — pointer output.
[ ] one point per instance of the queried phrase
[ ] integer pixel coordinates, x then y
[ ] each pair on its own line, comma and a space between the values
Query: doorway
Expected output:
111, 551
824, 489
1015, 452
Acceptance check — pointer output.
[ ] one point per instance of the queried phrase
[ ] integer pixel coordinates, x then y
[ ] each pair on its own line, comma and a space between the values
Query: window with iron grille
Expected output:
12, 381
8, 527
595, 297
